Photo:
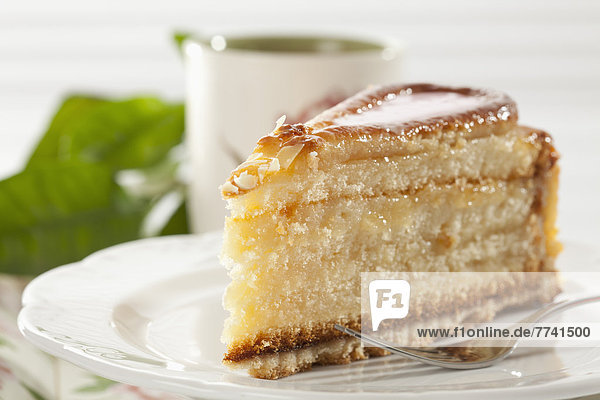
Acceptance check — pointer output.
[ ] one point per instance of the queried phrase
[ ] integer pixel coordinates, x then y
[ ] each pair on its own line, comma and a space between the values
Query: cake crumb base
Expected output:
278, 365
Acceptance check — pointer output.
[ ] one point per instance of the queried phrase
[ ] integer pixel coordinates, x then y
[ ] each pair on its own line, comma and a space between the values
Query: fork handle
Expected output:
555, 308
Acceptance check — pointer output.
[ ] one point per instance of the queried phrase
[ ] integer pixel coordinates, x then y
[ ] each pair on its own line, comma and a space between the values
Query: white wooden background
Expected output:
546, 54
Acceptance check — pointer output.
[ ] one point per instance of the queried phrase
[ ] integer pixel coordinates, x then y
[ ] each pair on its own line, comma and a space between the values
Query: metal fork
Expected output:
468, 357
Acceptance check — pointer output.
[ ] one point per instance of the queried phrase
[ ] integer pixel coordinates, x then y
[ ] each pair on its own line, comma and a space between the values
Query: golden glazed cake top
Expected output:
373, 115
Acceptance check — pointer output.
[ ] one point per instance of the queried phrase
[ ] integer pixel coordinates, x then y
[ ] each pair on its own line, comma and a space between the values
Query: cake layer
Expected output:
401, 218
378, 122
290, 266
405, 166
341, 350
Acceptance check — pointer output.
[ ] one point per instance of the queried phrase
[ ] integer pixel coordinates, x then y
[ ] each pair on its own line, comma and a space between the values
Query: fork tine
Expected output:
440, 358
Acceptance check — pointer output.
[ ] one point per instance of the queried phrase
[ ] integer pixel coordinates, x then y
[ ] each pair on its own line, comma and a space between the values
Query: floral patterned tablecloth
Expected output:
27, 373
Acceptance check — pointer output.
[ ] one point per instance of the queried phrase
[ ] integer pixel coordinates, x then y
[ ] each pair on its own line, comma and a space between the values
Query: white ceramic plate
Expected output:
149, 313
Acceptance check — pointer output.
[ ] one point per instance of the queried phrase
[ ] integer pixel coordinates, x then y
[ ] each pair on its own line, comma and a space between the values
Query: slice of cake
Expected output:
396, 178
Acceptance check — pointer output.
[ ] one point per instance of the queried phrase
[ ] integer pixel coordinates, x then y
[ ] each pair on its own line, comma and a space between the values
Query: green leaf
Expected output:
178, 224
67, 203
122, 134
59, 212
99, 385
179, 37
54, 145
5, 343
32, 392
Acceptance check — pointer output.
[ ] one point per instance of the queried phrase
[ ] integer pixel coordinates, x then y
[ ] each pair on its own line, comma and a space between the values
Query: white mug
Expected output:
238, 86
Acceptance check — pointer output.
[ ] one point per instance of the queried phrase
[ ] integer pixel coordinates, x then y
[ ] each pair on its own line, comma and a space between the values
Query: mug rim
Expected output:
390, 48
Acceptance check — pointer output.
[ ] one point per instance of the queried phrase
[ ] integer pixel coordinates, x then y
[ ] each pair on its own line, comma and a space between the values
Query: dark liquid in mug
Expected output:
299, 44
